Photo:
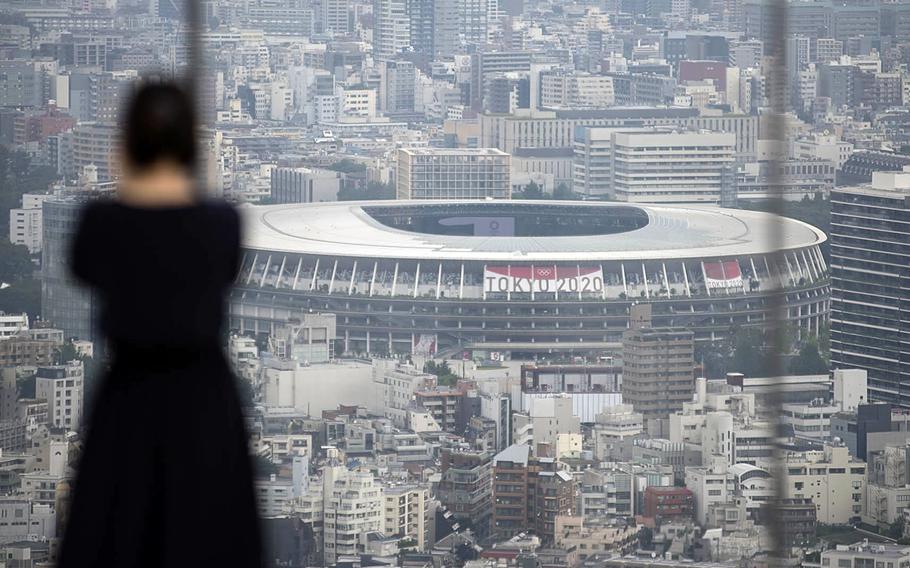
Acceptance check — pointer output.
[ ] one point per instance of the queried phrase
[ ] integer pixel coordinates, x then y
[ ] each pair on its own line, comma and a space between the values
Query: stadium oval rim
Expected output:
346, 229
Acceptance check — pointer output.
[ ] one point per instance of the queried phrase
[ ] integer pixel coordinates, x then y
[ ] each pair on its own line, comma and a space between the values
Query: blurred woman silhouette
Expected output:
165, 478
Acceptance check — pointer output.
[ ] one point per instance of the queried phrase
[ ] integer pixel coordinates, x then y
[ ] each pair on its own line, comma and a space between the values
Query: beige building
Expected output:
658, 370
453, 173
834, 480
592, 537
406, 513
869, 554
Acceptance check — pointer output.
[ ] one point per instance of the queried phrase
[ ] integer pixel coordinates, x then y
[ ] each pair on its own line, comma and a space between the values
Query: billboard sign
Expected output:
723, 274
542, 279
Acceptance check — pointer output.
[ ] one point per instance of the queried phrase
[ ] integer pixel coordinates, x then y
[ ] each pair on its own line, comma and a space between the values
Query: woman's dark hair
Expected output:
160, 125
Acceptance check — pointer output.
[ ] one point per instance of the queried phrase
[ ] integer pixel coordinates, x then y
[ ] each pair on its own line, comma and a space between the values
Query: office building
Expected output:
398, 86
304, 185
25, 222
832, 478
869, 258
62, 387
64, 302
651, 166
465, 486
464, 173
866, 553
528, 494
406, 513
353, 504
658, 370
391, 28
335, 17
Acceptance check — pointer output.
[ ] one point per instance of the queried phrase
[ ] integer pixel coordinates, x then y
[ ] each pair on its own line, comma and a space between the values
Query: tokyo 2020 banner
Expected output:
542, 279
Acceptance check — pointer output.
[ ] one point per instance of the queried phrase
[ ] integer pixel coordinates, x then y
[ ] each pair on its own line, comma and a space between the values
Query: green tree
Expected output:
808, 361
373, 191
749, 356
444, 375
246, 392
348, 166
264, 467
15, 262
562, 191
531, 191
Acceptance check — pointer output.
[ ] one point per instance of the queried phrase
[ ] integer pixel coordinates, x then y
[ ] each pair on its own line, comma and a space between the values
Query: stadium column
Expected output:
416, 278
394, 280
686, 279
240, 270
439, 281
622, 270
704, 275
353, 278
789, 268
265, 271
315, 274
297, 273
373, 279
334, 271
249, 277
644, 275
284, 259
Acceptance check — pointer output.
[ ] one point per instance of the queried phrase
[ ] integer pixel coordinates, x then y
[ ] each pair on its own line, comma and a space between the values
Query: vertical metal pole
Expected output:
777, 80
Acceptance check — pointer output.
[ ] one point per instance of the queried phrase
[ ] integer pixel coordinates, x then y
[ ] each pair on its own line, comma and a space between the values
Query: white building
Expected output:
394, 385
850, 388
810, 420
711, 485
867, 554
353, 504
25, 222
453, 173
835, 481
356, 103
822, 147
12, 324
676, 167
652, 165
550, 421
286, 383
22, 519
406, 513
613, 425
62, 387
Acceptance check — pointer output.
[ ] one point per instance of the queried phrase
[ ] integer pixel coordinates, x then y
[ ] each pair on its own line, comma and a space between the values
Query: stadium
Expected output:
524, 278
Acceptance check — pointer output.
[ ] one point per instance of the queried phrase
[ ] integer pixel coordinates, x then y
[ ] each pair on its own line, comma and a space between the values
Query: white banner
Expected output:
542, 279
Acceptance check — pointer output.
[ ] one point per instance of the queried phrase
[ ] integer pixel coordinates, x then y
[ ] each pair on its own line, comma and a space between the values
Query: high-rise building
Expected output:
529, 493
658, 370
62, 387
465, 487
64, 302
391, 28
352, 504
399, 79
335, 16
870, 317
654, 166
443, 173
406, 513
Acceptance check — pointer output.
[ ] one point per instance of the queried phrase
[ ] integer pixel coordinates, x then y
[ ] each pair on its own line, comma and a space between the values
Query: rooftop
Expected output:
352, 229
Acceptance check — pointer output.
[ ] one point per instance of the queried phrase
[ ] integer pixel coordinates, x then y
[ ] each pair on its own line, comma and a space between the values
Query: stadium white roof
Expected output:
344, 229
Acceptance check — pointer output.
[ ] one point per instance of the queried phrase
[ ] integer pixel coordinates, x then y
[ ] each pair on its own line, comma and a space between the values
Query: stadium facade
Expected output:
521, 277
